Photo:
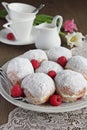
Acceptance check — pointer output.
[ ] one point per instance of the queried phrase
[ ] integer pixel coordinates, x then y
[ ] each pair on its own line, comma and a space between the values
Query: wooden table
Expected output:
69, 9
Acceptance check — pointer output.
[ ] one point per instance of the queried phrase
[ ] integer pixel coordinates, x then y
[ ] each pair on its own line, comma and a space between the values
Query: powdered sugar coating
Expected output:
54, 53
47, 66
36, 54
20, 66
79, 64
39, 85
72, 80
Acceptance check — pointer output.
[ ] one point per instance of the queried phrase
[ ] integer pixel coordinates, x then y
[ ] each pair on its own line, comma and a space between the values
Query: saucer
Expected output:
3, 39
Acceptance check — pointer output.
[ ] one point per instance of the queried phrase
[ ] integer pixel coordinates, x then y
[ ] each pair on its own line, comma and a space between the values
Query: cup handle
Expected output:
7, 26
5, 4
55, 21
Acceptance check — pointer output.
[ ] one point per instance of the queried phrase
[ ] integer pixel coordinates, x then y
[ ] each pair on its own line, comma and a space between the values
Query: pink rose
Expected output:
70, 26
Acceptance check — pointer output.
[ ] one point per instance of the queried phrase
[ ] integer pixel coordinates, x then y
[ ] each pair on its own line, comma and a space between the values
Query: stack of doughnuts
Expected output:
38, 85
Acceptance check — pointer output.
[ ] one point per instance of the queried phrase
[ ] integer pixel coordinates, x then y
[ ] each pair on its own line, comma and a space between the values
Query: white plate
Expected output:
64, 107
3, 39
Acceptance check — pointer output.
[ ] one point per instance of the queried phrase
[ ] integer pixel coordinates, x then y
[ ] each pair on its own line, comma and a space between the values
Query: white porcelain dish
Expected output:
64, 107
3, 39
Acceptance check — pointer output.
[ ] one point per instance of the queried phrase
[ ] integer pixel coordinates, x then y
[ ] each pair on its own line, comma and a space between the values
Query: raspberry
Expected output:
10, 36
16, 91
55, 100
79, 98
52, 74
35, 63
62, 61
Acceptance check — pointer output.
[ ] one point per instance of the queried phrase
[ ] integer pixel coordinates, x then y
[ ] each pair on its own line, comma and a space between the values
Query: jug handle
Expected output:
54, 21
5, 4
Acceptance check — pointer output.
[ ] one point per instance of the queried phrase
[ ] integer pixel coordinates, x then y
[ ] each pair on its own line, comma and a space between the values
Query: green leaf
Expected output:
3, 13
40, 18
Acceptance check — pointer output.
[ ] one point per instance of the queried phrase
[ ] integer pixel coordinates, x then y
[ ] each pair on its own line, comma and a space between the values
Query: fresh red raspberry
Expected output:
16, 91
10, 36
62, 61
79, 98
35, 63
55, 100
52, 74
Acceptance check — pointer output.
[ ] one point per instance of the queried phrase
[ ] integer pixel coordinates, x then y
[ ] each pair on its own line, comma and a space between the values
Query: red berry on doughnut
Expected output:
52, 74
35, 63
62, 61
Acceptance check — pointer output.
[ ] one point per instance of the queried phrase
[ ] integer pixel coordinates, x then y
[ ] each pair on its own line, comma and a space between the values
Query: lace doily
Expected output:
20, 119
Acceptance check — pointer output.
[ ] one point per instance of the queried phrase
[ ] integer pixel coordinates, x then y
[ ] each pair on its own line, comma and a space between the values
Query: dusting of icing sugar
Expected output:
77, 63
54, 53
74, 80
20, 66
39, 85
47, 66
37, 54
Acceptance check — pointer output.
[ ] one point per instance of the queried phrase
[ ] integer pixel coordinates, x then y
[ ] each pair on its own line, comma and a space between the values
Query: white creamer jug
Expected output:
48, 34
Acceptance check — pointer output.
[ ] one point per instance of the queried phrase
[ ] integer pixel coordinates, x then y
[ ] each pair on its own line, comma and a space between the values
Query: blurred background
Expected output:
69, 9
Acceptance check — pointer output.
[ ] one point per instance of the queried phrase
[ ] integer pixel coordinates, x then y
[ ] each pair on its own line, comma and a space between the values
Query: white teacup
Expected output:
19, 10
21, 29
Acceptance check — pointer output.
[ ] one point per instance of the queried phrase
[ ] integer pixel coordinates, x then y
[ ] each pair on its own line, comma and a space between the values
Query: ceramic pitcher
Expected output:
48, 34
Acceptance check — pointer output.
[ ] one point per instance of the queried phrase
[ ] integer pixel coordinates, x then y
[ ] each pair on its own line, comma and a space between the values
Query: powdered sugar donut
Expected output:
79, 64
38, 87
47, 66
18, 68
36, 54
54, 53
71, 85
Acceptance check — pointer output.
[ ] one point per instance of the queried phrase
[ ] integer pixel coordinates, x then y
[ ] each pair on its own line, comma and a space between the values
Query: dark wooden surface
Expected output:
69, 9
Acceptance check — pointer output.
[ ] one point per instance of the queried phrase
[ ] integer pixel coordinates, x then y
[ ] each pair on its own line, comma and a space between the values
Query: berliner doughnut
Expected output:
36, 54
70, 85
18, 68
47, 66
54, 53
38, 87
78, 64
